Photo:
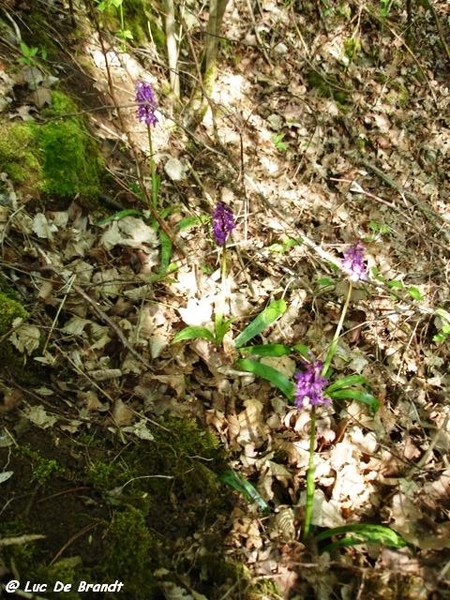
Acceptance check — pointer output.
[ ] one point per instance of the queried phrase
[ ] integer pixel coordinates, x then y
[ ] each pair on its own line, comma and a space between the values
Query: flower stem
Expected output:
310, 485
333, 346
220, 304
153, 175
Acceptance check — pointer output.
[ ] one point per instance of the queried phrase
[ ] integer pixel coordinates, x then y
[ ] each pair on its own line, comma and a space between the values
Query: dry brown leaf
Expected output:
11, 401
121, 414
39, 417
176, 381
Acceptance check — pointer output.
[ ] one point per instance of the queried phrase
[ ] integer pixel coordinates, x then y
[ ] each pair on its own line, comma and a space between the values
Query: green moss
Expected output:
22, 555
70, 162
68, 571
14, 361
140, 19
10, 310
58, 158
104, 476
151, 502
130, 550
6, 288
352, 47
327, 86
19, 155
398, 97
42, 468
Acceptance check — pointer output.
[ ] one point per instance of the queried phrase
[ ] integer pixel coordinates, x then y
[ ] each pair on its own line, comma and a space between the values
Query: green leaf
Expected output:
358, 395
443, 314
361, 533
302, 349
395, 284
189, 222
285, 245
278, 142
325, 282
192, 333
270, 314
276, 378
222, 328
415, 293
376, 274
348, 381
125, 34
166, 250
240, 484
268, 350
129, 212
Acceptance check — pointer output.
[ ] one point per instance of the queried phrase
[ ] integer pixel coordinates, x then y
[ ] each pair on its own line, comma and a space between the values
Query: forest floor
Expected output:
328, 123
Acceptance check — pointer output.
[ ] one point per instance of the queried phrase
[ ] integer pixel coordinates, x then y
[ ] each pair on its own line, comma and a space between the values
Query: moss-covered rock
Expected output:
58, 158
137, 18
70, 159
19, 155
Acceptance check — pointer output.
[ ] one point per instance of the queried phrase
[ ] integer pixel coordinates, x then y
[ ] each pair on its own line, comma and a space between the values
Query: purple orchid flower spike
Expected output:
223, 223
310, 386
354, 262
146, 101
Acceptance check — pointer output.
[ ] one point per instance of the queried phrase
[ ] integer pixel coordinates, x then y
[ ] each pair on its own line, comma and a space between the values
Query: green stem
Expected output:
220, 304
122, 27
333, 346
310, 485
153, 175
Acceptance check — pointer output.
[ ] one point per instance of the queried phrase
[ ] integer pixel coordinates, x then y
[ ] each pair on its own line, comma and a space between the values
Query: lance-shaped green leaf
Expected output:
265, 318
276, 378
193, 333
267, 350
355, 394
189, 222
166, 251
241, 485
345, 382
361, 533
415, 293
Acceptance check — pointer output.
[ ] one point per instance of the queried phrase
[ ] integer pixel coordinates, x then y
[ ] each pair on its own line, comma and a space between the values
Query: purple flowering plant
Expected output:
146, 113
354, 262
311, 389
223, 223
146, 103
310, 385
